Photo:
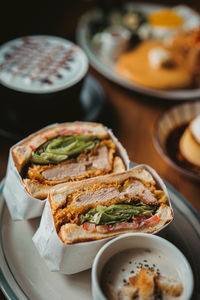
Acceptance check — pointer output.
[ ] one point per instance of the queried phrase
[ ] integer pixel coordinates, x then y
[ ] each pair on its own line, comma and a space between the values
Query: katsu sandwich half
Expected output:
64, 153
131, 201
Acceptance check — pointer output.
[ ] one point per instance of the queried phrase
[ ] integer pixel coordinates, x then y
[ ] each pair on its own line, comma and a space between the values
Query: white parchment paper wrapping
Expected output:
69, 259
20, 203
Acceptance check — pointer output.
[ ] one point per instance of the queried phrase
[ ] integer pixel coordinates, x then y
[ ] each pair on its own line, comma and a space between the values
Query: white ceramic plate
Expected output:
108, 69
24, 275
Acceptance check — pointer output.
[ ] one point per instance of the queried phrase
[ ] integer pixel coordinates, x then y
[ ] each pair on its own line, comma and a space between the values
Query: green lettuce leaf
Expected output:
61, 148
116, 213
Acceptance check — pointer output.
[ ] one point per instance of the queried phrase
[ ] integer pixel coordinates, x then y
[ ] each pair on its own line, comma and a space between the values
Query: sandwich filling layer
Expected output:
120, 216
100, 158
71, 157
61, 148
109, 207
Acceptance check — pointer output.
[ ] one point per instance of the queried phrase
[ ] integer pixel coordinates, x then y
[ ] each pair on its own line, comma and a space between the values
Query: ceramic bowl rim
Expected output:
155, 238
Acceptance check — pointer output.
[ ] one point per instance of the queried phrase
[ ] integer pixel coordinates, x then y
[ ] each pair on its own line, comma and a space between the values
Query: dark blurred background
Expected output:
58, 18
19, 18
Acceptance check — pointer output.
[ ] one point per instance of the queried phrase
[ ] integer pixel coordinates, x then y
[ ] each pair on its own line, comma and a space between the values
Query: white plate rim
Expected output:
96, 63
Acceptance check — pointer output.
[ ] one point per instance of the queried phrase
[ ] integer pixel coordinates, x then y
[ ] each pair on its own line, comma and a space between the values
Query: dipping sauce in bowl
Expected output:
121, 265
128, 264
175, 141
173, 149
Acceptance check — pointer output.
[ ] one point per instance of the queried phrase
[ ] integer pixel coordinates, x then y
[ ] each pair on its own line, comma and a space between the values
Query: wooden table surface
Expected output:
131, 116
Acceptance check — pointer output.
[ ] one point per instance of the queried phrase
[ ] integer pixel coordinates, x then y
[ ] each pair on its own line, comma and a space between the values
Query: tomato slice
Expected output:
33, 148
89, 226
150, 221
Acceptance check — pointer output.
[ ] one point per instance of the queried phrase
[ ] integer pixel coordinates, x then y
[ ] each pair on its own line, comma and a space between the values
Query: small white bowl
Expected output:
147, 242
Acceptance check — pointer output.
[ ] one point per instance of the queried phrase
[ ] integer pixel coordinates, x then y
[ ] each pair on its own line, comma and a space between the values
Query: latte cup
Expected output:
40, 82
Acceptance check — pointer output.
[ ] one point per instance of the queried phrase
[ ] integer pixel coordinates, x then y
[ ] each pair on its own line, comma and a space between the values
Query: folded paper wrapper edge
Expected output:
20, 204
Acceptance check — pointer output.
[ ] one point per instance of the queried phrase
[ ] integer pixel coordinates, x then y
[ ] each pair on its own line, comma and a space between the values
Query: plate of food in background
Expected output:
147, 48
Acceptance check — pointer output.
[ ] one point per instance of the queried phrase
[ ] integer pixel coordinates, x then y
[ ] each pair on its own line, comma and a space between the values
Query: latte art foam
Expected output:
40, 64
